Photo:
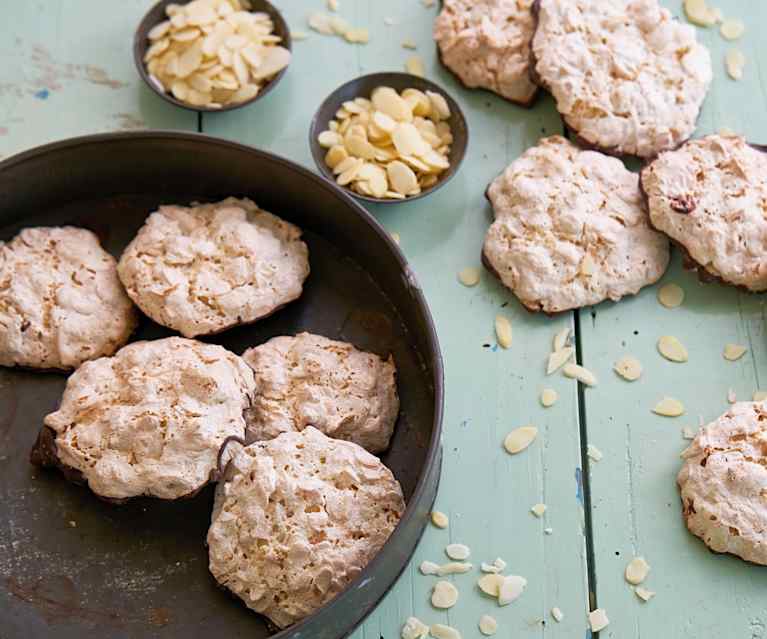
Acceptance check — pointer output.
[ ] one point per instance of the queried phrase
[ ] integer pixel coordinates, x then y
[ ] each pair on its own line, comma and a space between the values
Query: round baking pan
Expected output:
74, 567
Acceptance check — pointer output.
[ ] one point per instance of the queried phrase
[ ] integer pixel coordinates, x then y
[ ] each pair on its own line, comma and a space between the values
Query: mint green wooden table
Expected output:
67, 70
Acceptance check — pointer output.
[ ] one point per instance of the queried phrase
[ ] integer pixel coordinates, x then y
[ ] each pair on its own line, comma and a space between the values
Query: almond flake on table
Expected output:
428, 568
636, 571
519, 439
511, 589
598, 620
549, 397
733, 352
671, 295
560, 340
490, 584
414, 628
439, 519
538, 510
629, 368
414, 66
698, 12
357, 36
469, 276
669, 407
428, 3
731, 396
594, 453
548, 531
459, 552
759, 396
732, 29
499, 565
643, 593
735, 62
454, 568
444, 595
298, 35
409, 44
672, 349
688, 433
441, 631
583, 375
557, 614
503, 331
558, 359
395, 236
488, 625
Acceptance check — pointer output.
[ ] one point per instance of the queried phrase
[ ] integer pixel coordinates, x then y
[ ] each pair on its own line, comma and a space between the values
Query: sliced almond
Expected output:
414, 628
598, 620
699, 13
459, 552
735, 62
733, 352
688, 433
732, 29
439, 519
490, 584
444, 595
441, 631
428, 568
388, 101
439, 108
560, 339
357, 36
454, 568
583, 375
349, 174
401, 177
538, 510
558, 359
636, 571
669, 407
643, 593
274, 60
672, 349
418, 101
594, 453
549, 397
499, 565
335, 155
488, 626
629, 368
503, 331
519, 439
414, 66
671, 295
407, 140
409, 44
158, 31
328, 139
557, 614
469, 276
156, 49
511, 589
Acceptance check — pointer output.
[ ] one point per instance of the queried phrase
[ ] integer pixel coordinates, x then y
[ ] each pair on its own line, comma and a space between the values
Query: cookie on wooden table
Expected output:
570, 229
486, 45
61, 302
296, 519
709, 196
627, 78
148, 421
723, 483
310, 380
203, 269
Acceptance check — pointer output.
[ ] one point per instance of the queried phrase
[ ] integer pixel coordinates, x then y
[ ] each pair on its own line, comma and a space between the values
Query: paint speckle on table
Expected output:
129, 122
579, 485
97, 75
3, 130
42, 94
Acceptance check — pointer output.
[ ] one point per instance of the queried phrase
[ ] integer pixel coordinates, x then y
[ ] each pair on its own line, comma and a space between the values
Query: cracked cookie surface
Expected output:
203, 269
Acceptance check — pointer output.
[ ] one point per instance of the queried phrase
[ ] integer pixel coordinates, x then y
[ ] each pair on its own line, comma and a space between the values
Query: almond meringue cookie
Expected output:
628, 79
723, 483
148, 421
61, 302
203, 269
308, 380
296, 519
708, 196
487, 45
570, 229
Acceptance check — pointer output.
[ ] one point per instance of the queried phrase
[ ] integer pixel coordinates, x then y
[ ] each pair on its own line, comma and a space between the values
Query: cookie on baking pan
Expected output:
311, 380
296, 519
709, 197
203, 269
570, 229
627, 78
61, 302
486, 44
148, 421
723, 483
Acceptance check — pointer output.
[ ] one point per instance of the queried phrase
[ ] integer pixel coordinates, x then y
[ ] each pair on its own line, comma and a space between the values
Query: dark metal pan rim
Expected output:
433, 456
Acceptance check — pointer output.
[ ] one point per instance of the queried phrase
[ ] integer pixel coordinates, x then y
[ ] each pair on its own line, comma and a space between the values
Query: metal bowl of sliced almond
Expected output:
212, 55
389, 137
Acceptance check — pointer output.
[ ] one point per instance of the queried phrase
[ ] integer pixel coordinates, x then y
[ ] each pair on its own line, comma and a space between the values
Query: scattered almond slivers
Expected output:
409, 44
414, 628
459, 552
503, 331
488, 626
519, 439
414, 66
636, 571
629, 368
453, 568
644, 594
337, 26
538, 510
672, 349
549, 397
212, 53
733, 352
583, 375
560, 340
439, 519
558, 359
669, 407
469, 276
511, 589
490, 584
598, 620
390, 146
428, 568
557, 614
735, 62
698, 12
594, 453
441, 631
688, 433
732, 29
444, 595
671, 295
499, 565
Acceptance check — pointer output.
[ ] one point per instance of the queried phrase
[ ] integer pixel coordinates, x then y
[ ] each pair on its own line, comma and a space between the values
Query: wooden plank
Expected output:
68, 70
487, 493
636, 509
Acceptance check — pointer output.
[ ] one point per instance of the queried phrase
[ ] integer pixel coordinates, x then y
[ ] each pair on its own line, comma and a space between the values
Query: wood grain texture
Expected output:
636, 509
487, 493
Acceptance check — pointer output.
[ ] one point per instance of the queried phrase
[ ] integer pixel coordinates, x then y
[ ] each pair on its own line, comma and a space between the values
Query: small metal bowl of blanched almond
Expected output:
212, 55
